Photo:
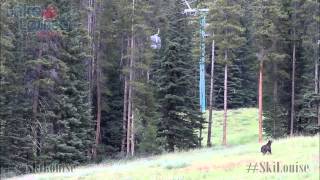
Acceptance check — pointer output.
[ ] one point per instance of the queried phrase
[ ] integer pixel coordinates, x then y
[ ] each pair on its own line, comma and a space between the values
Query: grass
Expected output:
218, 162
242, 126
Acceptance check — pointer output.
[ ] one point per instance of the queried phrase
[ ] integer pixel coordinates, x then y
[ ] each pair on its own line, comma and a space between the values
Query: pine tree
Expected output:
68, 135
267, 16
14, 136
308, 83
180, 114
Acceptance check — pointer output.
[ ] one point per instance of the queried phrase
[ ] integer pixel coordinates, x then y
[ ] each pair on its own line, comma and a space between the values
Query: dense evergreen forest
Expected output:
81, 81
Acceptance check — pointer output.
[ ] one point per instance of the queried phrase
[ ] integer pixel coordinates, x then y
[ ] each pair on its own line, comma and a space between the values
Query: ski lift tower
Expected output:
202, 13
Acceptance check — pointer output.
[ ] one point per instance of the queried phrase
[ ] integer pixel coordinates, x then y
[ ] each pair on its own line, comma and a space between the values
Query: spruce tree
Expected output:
179, 108
73, 129
15, 137
308, 82
265, 32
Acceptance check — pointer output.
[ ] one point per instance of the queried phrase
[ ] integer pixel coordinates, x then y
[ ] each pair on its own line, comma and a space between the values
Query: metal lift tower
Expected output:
202, 85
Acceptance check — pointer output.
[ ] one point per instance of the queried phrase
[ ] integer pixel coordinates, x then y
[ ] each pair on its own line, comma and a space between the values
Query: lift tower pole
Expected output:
202, 84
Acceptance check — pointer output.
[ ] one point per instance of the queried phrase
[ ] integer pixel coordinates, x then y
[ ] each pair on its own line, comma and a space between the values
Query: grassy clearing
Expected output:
211, 163
242, 126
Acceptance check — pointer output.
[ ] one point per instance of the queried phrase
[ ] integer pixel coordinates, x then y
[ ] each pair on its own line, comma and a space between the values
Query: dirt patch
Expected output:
209, 166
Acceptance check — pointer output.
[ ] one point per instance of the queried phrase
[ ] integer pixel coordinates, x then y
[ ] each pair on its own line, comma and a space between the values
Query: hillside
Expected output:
213, 163
229, 162
242, 126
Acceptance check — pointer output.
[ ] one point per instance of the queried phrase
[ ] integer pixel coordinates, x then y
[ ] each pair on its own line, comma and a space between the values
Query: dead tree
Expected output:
224, 140
211, 97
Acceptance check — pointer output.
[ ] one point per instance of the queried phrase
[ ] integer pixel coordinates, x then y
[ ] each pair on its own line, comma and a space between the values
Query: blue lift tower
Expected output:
202, 13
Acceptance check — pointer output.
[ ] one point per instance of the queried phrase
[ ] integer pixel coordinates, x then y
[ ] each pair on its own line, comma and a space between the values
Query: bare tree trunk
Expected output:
316, 84
293, 73
98, 124
211, 97
91, 29
275, 98
95, 73
224, 141
132, 131
124, 121
128, 133
126, 124
129, 115
93, 33
260, 100
35, 104
293, 88
130, 111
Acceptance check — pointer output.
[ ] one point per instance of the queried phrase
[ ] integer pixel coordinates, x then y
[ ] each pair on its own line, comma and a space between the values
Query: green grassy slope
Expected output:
242, 127
212, 163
